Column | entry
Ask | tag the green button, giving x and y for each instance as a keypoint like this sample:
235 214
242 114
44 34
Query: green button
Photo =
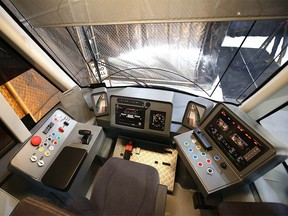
186 143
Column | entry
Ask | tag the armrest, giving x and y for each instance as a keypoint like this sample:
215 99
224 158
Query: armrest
160 200
34 207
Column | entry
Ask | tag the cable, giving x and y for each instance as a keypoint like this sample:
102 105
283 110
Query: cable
237 99
82 55
159 69
236 53
118 69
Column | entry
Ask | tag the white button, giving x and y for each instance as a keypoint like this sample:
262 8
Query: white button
33 158
40 163
210 170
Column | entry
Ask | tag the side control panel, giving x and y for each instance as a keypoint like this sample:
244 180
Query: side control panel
42 148
206 165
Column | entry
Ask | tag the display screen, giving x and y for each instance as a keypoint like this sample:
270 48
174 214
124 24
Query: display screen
238 143
100 103
193 115
131 116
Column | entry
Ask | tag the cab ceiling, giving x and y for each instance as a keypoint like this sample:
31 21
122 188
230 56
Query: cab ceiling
52 13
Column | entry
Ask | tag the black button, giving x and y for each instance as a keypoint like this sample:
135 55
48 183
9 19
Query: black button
223 165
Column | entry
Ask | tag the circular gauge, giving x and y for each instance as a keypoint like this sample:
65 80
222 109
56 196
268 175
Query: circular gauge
157 120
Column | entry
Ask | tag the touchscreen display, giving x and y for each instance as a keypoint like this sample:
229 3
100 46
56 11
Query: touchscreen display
238 143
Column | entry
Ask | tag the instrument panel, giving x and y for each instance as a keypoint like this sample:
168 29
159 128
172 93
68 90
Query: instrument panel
151 114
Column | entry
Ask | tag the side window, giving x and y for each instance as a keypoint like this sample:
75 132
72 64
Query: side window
277 124
7 140
27 92
272 187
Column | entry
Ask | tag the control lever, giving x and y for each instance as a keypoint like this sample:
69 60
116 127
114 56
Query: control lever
128 150
202 139
86 136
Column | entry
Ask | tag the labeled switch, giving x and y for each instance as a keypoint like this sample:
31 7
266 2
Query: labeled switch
61 129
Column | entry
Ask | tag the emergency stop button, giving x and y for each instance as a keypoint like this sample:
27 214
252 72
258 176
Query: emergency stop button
36 140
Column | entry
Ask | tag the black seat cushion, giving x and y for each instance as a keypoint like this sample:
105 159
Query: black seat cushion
125 188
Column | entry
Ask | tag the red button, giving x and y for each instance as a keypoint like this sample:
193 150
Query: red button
36 140
200 164
61 130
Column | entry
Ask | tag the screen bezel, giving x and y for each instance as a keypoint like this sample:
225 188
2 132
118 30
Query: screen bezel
185 119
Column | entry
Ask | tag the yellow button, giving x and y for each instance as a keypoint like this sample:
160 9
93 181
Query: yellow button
47 153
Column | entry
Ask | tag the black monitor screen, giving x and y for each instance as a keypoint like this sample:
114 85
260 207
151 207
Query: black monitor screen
131 116
193 115
235 140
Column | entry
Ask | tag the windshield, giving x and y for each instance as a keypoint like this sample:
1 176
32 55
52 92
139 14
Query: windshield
223 60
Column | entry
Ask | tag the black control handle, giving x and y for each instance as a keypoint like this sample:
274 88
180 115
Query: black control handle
86 136
202 139
84 132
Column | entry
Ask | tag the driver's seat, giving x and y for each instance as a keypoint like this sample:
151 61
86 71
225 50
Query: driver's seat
121 188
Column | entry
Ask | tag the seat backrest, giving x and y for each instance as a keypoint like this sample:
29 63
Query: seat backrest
125 188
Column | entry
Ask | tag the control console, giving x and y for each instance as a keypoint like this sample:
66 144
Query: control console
228 149
60 141
42 148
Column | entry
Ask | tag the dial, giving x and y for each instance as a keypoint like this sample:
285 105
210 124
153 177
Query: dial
157 120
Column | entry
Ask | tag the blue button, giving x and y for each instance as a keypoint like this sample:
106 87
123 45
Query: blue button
216 158
195 157
53 134
190 150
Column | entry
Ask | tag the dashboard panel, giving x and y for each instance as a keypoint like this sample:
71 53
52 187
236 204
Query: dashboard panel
148 111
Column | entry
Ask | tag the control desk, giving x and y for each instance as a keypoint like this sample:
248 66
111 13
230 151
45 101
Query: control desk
225 147
59 153
228 149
